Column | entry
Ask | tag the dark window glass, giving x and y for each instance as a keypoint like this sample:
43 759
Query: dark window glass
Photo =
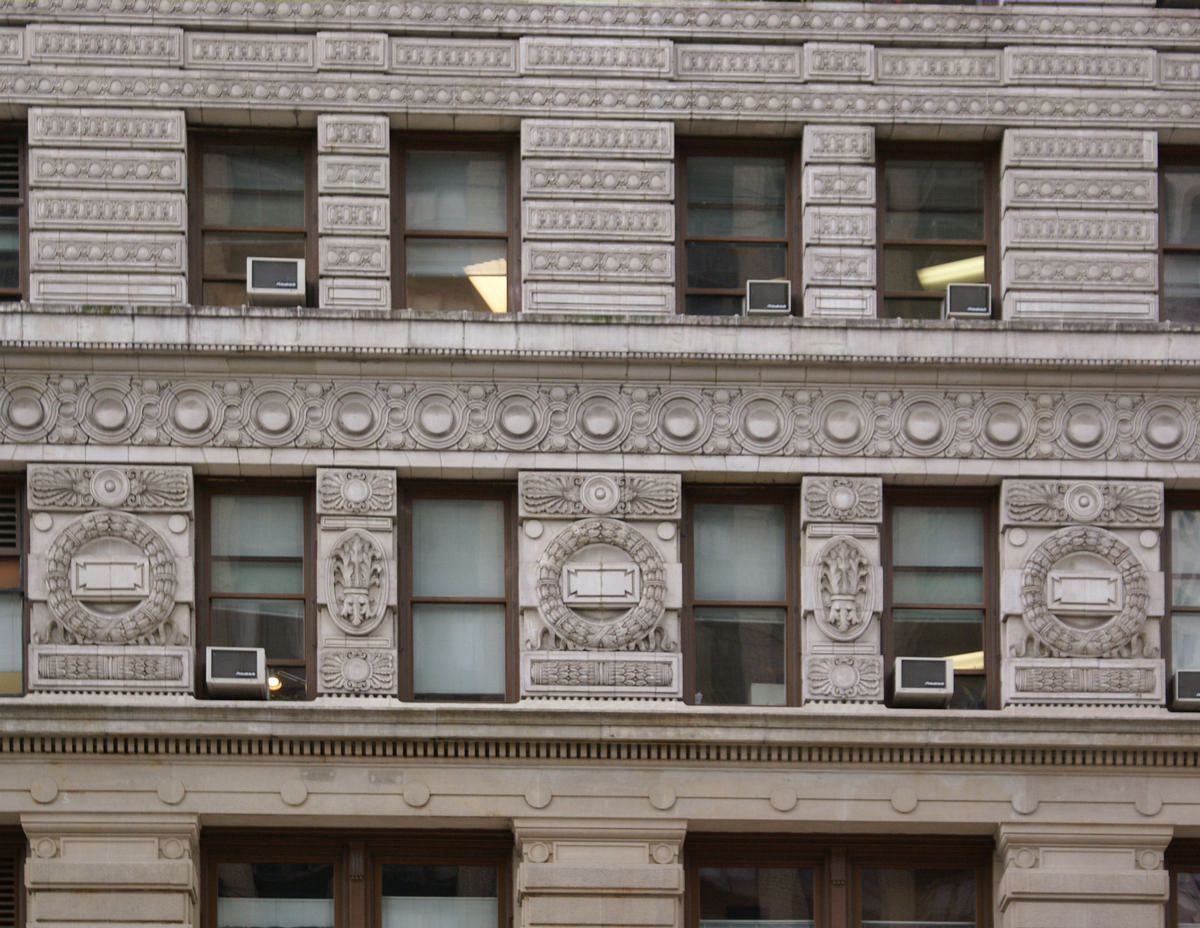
12 213
438 896
12 600
1184 526
896 898
265 895
1181 244
756 897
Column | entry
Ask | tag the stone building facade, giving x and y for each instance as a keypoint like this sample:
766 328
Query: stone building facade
584 591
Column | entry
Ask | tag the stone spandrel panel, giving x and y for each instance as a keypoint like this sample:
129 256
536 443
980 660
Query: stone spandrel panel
352 51
737 62
592 298
938 67
599 220
617 56
835 61
362 175
1081 229
107 252
115 211
94 169
585 261
1081 592
841 587
73 127
838 145
63 43
357 581
597 179
1074 149
243 51
474 57
1090 67
12 46
111 578
600 585
587 138
352 134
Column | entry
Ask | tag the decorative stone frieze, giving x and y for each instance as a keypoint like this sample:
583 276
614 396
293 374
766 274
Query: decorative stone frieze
1088 67
824 265
1081 592
352 51
110 578
587 138
68 43
354 257
592 179
839 225
353 215
92 169
835 61
841 588
496 57
356 581
1066 188
1080 271
93 128
583 261
628 58
107 251
12 45
961 67
600 588
108 289
243 51
737 62
1071 149
1178 71
571 299
838 145
115 211
353 174
599 221
839 185
348 133
1082 229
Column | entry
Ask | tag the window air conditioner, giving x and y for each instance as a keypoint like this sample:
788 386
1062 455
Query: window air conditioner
275 281
768 297
236 673
923 681
967 301
1185 691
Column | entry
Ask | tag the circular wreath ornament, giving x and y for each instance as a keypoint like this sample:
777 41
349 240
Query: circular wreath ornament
1067 640
141 624
601 634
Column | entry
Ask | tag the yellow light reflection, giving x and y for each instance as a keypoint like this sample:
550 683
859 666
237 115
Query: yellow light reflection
966 271
490 280
971 660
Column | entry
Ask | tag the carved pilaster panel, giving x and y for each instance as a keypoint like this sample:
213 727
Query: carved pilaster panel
839 185
354 257
839 302
242 51
107 170
938 67
362 175
623 57
353 215
1178 71
1082 229
583 261
587 138
1060 306
1071 149
94 44
110 584
836 61
839 145
115 211
832 266
355 293
108 289
737 62
588 299
606 180
839 225
568 219
1072 189
352 134
104 128
105 251
1061 270
568 494
12 46
352 51
356 580
1112 503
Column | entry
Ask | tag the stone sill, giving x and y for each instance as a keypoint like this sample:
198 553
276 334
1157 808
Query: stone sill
382 335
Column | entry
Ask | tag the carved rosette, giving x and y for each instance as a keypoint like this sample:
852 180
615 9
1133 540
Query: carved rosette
554 494
625 631
357 579
844 678
361 492
358 670
846 591
140 489
1113 503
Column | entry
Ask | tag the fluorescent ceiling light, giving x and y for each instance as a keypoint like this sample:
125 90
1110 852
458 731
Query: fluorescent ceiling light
490 280
971 660
966 271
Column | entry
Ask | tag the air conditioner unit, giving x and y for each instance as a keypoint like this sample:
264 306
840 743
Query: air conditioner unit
1185 691
768 297
923 681
967 301
275 281
236 673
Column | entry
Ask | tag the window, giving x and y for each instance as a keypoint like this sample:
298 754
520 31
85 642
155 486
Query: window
1180 237
735 218
1182 860
322 880
451 241
254 202
12 217
458 628
936 220
1183 585
258 585
751 881
743 627
939 556
12 601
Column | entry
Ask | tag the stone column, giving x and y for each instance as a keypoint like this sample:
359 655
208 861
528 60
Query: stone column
1081 590
1079 226
111 571
356 581
842 588
353 209
602 873
600 585
127 870
107 213
838 197
1081 876
598 222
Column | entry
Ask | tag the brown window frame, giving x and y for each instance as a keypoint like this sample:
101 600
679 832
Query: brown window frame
198 144
783 496
357 858
440 490
986 156
205 593
13 565
987 503
838 862
504 144
21 203
1182 856
1171 157
789 152
1175 502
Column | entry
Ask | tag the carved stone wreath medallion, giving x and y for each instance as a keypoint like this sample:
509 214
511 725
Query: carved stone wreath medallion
1084 593
152 594
845 589
581 631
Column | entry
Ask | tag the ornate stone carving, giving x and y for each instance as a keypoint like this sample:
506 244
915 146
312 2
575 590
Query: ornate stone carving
575 673
242 51
1112 68
454 56
836 61
1054 148
843 678
95 44
615 262
353 216
1082 270
1092 577
355 257
115 211
135 488
1071 680
358 670
586 138
570 56
1082 189
1178 71
362 492
839 266
1049 229
622 221
626 495
148 170
87 251
78 128
842 499
1048 502
98 665
737 62
352 51
834 185
606 180
937 66
633 628
353 174
12 45
839 144
839 225
352 133
147 621
357 583
846 596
